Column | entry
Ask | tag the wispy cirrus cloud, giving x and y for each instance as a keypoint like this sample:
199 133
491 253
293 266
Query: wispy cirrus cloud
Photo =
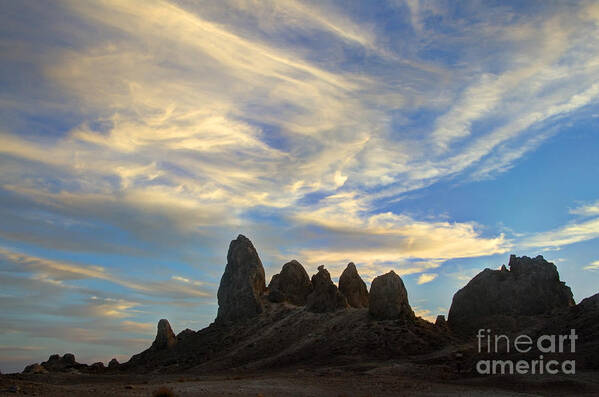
586 210
145 135
592 266
59 271
579 230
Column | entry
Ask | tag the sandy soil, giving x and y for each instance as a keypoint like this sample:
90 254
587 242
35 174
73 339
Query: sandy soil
301 383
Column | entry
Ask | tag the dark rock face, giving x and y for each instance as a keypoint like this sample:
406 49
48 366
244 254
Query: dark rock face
531 287
389 298
165 337
242 283
590 303
353 287
292 285
274 292
325 296
114 363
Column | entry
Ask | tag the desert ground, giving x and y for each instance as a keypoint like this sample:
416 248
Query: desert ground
391 379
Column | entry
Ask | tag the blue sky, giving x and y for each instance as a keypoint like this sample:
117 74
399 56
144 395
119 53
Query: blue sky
138 138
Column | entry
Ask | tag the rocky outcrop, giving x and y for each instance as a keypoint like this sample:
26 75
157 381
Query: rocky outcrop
440 321
35 369
530 287
69 359
114 363
97 366
242 283
353 287
389 298
292 285
165 337
56 363
185 334
325 296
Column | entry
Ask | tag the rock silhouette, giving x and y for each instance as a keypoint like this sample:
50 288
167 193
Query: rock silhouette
185 334
389 298
530 287
528 297
325 296
292 285
353 287
242 283
114 363
440 321
97 366
165 337
55 363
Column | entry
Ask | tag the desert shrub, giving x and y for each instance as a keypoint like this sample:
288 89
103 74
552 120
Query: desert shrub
163 392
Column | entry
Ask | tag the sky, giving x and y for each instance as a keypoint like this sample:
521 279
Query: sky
138 138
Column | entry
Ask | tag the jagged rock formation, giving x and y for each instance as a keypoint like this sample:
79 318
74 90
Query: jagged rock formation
325 296
165 341
165 337
242 284
55 363
292 285
494 298
389 298
353 287
322 334
440 321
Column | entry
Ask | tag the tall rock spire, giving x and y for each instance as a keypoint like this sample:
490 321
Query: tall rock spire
353 287
165 337
242 283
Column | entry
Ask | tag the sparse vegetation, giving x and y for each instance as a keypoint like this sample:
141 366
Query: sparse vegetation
163 392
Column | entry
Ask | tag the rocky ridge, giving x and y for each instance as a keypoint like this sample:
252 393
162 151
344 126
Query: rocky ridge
311 321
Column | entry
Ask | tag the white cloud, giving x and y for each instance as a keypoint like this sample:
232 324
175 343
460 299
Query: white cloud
186 120
55 272
586 210
426 278
571 233
425 314
386 241
592 266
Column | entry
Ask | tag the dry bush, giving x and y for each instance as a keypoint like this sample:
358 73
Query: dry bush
163 392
